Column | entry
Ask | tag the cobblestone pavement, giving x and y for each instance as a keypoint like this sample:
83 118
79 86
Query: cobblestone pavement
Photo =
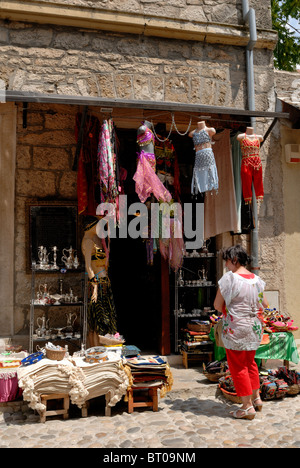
193 415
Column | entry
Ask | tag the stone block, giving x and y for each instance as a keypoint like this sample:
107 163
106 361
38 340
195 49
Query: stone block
51 158
123 86
106 85
157 88
177 89
34 183
71 40
23 157
68 185
34 36
141 88
48 138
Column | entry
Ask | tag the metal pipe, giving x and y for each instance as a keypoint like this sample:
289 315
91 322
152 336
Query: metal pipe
250 18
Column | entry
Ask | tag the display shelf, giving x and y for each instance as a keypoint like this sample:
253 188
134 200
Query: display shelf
74 283
195 286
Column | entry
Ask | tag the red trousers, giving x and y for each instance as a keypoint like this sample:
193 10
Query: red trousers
244 371
251 174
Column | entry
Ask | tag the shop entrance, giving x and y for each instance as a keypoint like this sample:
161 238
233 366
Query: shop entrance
136 284
137 293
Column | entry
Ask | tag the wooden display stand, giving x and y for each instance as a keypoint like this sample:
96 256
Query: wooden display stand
186 356
55 396
139 401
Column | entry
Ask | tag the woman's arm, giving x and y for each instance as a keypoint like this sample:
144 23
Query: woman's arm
265 302
219 301
88 249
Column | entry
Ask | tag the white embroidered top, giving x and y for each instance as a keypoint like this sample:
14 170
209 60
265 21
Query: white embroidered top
242 329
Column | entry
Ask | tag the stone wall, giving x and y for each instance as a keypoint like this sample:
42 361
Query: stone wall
45 154
65 61
218 11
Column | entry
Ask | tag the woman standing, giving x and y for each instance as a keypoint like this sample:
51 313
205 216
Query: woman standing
241 299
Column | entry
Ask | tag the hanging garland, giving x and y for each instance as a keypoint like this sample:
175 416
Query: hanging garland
173 124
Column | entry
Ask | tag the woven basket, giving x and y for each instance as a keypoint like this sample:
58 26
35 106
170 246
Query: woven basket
55 355
293 389
231 396
103 340
214 377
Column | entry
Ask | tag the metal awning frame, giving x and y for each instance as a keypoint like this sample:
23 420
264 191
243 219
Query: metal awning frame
23 96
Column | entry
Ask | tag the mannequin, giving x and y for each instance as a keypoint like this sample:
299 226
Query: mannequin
205 175
202 126
145 139
250 134
146 180
101 308
251 167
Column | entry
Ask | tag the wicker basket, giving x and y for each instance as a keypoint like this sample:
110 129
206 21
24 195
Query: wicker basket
104 341
214 377
55 355
293 389
231 396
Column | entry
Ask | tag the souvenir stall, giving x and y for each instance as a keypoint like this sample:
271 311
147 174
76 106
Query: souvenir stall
277 343
151 168
10 360
51 379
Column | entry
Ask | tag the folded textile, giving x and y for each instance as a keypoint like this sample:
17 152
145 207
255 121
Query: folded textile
74 377
150 371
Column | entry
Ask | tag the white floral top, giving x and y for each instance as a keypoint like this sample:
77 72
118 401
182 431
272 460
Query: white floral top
242 329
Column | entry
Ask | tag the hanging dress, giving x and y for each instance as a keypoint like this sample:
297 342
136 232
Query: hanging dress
167 166
87 181
102 316
205 174
146 180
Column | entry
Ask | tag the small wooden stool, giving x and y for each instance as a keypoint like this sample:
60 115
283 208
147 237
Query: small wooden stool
86 404
139 401
206 356
55 396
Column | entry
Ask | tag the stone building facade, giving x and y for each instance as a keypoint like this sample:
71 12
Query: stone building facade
128 53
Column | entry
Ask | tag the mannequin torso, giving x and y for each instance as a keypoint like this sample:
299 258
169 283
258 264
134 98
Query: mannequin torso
145 138
205 174
201 126
250 135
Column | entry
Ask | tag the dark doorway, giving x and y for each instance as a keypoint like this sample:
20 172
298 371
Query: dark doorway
136 285
137 293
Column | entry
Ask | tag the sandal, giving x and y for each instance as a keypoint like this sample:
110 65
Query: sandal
246 414
257 407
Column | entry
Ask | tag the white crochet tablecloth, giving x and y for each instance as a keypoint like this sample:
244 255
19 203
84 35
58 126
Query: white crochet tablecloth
74 377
